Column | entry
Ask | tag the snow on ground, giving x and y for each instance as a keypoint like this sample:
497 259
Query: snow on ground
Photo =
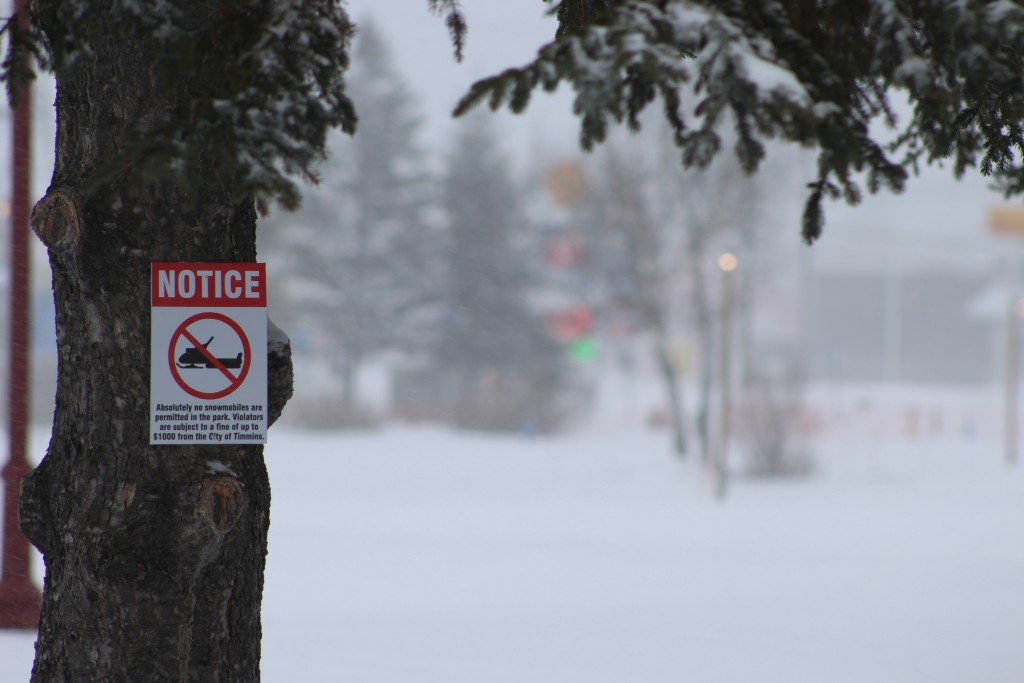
427 555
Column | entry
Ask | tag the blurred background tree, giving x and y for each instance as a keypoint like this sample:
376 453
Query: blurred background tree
502 368
357 263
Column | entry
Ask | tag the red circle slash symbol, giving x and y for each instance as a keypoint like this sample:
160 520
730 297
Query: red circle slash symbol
199 356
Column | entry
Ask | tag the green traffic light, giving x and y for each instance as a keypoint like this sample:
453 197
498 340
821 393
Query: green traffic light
583 349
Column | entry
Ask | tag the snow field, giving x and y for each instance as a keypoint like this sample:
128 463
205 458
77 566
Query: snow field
599 558
427 555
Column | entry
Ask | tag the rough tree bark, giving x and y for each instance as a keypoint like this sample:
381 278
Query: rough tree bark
154 559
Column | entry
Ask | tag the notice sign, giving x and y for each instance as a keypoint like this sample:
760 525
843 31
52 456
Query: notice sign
208 368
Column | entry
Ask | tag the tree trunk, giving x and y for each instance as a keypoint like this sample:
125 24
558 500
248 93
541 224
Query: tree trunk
677 416
350 404
154 559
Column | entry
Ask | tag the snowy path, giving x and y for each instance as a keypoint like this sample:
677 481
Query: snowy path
420 555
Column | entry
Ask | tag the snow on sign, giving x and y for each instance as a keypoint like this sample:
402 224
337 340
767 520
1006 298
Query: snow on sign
208 367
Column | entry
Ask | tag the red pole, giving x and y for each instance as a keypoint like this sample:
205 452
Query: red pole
19 598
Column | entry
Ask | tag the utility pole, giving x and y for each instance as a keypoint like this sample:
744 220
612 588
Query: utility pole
1008 221
19 598
1012 378
719 466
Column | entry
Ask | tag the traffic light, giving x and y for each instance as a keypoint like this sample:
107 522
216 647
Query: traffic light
583 349
574 326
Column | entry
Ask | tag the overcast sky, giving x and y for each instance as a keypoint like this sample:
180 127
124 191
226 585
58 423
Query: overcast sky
502 34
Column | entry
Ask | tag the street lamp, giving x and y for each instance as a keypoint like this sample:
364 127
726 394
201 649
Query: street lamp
727 263
1012 379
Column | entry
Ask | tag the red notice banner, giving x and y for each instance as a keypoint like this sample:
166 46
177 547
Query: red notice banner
219 285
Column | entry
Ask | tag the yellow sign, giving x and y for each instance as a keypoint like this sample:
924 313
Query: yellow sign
1006 220
566 183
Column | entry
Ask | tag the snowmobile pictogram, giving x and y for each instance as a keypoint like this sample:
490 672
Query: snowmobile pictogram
194 358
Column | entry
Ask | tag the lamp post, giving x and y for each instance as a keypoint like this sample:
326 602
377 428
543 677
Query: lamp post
1012 379
19 598
727 263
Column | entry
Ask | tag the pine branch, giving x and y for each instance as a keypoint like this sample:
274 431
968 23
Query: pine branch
23 44
816 74
455 20
267 83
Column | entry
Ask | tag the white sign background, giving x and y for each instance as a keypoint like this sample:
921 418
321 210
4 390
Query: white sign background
178 417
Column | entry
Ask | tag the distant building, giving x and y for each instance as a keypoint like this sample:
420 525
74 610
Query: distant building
901 327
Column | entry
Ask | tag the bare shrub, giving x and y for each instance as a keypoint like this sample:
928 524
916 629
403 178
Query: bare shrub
770 425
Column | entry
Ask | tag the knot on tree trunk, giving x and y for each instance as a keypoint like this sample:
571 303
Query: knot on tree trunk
279 371
56 220
34 513
221 501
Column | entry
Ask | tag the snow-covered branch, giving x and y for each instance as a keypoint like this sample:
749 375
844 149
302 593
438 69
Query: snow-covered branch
817 74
